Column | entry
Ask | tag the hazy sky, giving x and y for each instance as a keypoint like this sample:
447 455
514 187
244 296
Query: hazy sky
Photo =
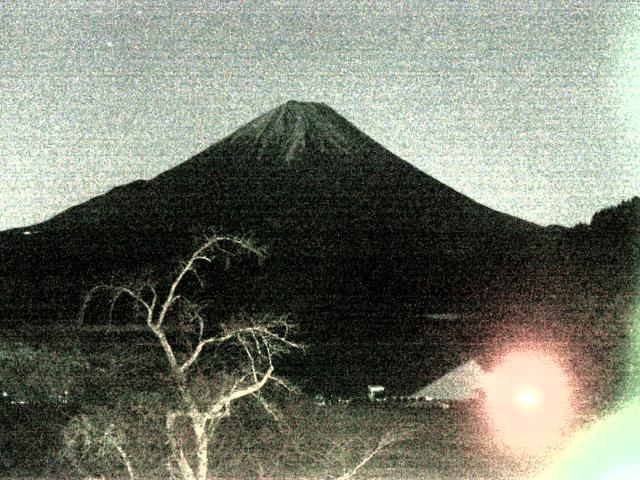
531 108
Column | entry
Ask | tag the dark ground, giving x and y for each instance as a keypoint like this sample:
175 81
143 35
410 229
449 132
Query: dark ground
447 444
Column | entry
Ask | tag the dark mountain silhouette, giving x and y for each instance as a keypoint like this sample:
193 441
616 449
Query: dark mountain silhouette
336 209
360 242
302 157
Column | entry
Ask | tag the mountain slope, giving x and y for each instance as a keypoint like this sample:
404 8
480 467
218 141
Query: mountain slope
295 150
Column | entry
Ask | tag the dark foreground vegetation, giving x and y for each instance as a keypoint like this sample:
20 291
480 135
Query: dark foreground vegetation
90 400
310 441
116 395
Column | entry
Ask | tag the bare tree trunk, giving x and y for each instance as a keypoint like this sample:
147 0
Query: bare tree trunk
197 466
202 447
186 472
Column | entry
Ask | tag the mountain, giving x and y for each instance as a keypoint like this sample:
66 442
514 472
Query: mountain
360 242
299 155
313 188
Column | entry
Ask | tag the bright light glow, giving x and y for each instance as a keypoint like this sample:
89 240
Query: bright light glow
527 400
607 450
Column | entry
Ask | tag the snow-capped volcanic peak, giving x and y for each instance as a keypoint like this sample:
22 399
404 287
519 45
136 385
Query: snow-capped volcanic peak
291 126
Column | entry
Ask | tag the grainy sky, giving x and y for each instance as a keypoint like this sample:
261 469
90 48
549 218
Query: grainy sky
530 108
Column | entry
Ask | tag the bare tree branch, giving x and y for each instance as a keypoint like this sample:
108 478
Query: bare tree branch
196 353
126 461
248 390
213 243
387 439
268 408
283 383
252 362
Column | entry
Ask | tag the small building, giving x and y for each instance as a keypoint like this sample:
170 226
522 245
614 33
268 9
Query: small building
376 393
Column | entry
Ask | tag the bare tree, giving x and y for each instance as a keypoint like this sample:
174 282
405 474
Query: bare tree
186 338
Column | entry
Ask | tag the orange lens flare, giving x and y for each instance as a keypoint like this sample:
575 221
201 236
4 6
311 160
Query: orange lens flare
527 400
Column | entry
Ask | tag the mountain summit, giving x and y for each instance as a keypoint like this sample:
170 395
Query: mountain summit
291 126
